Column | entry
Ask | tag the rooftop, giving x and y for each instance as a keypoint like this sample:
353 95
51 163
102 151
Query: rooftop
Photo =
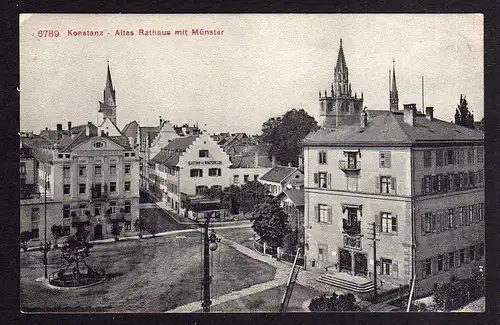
277 174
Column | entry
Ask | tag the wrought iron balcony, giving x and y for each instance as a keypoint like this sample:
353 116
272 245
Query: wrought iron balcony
349 165
352 242
351 228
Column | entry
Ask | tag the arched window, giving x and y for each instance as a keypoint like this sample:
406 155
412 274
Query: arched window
344 108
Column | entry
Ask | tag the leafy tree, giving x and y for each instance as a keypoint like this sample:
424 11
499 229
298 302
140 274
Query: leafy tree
57 232
140 226
463 116
251 194
231 198
343 302
25 237
270 222
75 250
285 135
116 229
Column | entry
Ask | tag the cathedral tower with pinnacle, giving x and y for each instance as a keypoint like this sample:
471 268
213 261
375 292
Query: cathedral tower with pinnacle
108 106
339 106
393 93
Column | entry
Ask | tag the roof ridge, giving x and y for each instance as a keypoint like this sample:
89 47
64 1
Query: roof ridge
74 139
408 138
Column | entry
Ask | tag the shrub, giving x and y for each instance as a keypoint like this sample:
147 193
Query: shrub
457 293
26 236
343 302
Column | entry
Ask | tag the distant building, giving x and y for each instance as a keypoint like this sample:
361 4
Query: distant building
280 178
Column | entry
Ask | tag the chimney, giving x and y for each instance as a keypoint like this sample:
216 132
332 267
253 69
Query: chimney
87 129
289 164
409 113
59 131
429 113
364 118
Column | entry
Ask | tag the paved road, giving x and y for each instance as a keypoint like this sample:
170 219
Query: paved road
164 221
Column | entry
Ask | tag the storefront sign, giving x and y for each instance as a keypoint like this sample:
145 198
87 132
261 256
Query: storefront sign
205 162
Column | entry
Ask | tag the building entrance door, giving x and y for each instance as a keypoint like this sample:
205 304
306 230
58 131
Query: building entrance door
97 232
360 264
345 261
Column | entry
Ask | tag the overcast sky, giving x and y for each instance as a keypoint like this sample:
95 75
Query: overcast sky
262 66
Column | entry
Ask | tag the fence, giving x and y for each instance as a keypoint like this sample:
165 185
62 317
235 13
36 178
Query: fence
263 248
289 258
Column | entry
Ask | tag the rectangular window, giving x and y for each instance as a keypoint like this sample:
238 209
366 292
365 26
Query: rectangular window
201 189
460 157
451 260
439 183
385 184
480 211
67 155
66 189
66 172
352 160
439 157
112 186
203 154
480 177
481 250
428 222
132 154
427 158
427 267
322 157
82 188
352 183
82 171
214 172
450 218
386 266
196 172
127 206
322 180
66 211
470 214
323 213
255 177
449 181
479 152
246 178
461 216
388 223
322 253
462 256
385 159
127 186
35 218
60 155
127 168
22 168
97 209
112 169
470 156
440 263
427 184
236 179
112 206
472 179
451 157
127 154
472 253
97 170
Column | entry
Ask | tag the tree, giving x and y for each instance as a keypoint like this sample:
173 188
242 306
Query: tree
285 135
270 222
75 250
25 237
343 302
140 226
251 194
462 115
116 229
57 232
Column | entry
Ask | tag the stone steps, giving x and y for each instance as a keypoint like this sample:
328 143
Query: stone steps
361 287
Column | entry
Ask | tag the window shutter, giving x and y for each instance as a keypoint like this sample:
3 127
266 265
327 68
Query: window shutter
329 214
316 178
201 172
329 180
219 172
422 224
377 183
378 223
393 184
394 269
423 185
316 212
445 158
388 159
395 223
438 220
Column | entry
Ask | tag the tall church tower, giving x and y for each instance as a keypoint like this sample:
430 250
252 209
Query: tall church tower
108 106
339 107
393 92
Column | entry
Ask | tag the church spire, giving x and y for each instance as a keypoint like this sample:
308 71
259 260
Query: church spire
341 74
108 105
393 95
341 65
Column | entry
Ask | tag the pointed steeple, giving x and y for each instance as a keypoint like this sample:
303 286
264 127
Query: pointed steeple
108 105
341 74
341 65
393 95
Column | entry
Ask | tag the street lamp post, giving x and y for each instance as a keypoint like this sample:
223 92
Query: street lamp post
45 244
209 244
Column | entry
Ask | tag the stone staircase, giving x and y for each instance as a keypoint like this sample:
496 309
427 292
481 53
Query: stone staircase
347 282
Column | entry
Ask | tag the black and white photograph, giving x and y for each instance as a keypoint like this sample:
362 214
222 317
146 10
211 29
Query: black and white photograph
251 163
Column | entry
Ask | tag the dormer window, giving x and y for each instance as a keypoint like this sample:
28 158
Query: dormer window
127 154
98 144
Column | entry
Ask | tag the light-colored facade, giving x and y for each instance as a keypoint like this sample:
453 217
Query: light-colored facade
426 204
280 178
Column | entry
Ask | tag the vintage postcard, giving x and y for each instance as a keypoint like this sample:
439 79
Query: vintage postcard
229 163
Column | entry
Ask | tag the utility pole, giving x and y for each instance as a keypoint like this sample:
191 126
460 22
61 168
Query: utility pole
374 239
45 224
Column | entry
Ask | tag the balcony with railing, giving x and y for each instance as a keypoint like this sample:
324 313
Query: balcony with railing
350 165
351 228
98 194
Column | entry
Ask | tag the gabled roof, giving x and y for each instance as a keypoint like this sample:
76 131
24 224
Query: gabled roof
130 130
172 152
385 127
67 144
181 143
296 196
278 174
166 158
113 125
